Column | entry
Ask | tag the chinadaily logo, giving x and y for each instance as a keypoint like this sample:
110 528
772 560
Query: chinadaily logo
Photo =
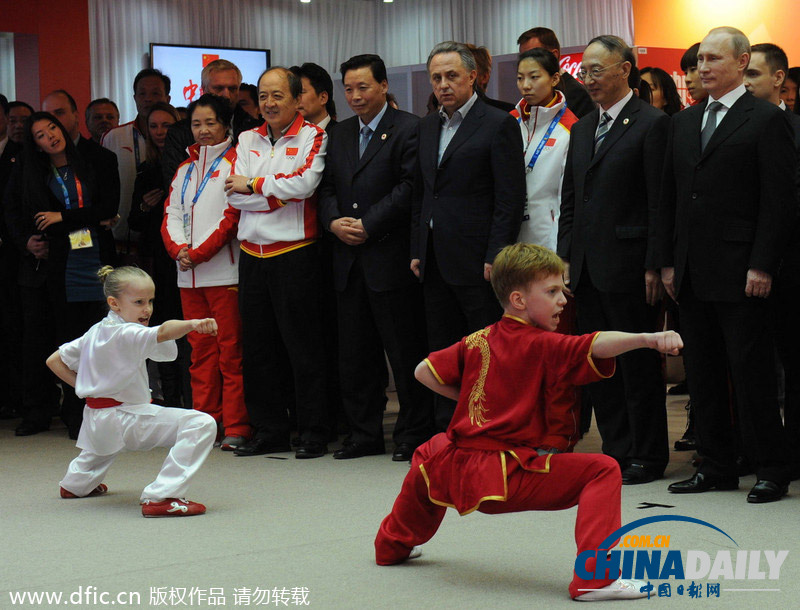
679 572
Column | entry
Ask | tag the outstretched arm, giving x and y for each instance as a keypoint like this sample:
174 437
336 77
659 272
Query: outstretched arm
175 329
426 377
61 370
613 343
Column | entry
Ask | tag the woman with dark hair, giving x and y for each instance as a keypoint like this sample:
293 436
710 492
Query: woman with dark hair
545 121
147 213
663 90
199 232
789 89
54 205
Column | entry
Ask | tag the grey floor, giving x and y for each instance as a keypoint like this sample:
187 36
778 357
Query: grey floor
275 523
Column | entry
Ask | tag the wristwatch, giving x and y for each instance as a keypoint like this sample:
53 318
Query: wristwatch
250 184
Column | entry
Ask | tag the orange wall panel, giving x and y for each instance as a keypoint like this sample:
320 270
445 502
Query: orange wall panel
63 31
681 23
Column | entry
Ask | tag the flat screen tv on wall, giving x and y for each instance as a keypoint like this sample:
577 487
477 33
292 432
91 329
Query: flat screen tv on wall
183 64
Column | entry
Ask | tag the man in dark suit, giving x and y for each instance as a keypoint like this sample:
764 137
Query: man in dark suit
764 78
469 193
10 306
727 212
578 99
365 201
607 236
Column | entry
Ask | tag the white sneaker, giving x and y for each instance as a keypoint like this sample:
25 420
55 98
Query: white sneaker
618 590
415 552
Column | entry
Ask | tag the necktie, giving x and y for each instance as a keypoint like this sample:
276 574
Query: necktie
711 124
366 132
602 130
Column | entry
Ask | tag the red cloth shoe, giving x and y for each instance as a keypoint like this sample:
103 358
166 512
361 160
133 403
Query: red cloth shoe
172 507
97 491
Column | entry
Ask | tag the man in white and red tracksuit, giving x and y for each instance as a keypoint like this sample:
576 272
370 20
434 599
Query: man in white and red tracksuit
279 166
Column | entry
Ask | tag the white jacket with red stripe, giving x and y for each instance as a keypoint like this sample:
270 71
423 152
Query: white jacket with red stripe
212 242
281 215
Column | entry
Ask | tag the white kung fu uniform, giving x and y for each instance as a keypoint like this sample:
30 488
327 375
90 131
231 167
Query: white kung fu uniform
110 362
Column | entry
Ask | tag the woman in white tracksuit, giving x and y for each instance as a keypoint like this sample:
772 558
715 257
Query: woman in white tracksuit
545 122
199 232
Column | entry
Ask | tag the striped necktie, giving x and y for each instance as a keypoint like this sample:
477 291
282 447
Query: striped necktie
602 130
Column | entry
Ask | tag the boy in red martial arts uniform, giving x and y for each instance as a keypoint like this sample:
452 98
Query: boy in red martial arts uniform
499 454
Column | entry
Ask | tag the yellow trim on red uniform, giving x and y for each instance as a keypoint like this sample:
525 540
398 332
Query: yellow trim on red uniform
508 315
591 361
433 370
544 470
502 498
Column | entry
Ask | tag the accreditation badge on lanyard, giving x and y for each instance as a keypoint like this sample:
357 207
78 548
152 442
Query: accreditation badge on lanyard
187 216
82 238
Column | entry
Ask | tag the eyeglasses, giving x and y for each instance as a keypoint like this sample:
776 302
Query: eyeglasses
595 73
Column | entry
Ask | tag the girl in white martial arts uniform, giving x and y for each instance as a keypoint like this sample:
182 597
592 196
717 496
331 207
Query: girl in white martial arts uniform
107 368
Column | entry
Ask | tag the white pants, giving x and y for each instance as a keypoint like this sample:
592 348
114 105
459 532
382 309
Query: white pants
189 434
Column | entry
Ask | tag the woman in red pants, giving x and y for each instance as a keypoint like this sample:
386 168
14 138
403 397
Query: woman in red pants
199 232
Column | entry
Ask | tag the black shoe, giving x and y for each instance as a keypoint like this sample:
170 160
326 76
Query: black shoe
687 443
637 474
30 428
403 452
357 450
678 389
261 446
704 482
310 450
766 491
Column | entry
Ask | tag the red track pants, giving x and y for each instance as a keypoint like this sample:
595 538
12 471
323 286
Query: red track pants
216 368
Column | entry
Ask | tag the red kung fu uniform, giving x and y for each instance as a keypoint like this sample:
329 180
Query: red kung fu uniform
509 374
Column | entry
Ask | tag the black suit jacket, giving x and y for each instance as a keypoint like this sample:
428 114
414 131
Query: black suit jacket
609 201
731 207
7 161
475 196
578 98
377 189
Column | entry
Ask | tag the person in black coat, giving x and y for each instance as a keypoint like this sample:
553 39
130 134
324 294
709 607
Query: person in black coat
728 209
365 201
467 203
10 305
54 206
606 234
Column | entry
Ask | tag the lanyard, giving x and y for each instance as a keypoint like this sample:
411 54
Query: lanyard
546 137
63 186
136 153
186 179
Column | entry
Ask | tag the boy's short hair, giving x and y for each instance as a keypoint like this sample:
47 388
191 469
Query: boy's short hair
518 265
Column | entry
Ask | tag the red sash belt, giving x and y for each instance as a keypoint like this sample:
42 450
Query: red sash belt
482 442
101 403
